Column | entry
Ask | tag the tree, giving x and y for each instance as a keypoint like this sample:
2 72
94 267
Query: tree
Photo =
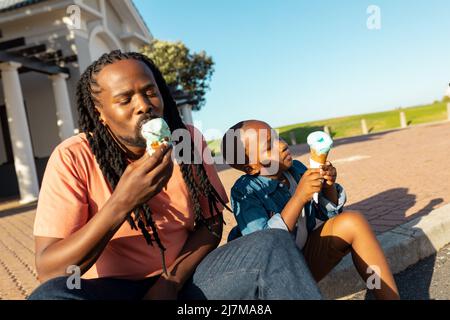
187 74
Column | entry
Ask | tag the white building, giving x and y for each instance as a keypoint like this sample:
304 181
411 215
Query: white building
44 47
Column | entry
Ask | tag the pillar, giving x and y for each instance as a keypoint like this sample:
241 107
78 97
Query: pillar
63 112
20 134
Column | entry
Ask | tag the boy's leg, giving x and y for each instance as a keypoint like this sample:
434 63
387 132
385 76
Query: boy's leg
349 232
263 265
92 289
322 252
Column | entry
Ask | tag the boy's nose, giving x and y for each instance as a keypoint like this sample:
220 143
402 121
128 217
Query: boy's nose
283 144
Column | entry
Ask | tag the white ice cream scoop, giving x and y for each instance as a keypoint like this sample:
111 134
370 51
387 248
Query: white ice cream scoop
156 132
320 141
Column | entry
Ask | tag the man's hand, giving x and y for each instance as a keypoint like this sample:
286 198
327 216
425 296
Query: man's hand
144 178
310 183
329 174
163 289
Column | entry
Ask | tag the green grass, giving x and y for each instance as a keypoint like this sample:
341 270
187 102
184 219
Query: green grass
351 125
376 122
214 146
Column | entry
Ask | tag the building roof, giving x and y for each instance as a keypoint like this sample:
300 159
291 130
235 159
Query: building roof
140 16
9 5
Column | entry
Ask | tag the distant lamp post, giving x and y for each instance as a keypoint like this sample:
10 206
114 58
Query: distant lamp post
293 138
447 93
184 102
403 122
364 126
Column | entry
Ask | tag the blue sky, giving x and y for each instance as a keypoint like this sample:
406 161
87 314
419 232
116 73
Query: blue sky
286 61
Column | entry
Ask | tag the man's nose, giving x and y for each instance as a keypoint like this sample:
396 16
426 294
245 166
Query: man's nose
143 104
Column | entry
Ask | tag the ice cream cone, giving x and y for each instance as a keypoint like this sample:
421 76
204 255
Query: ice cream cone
155 132
320 158
320 144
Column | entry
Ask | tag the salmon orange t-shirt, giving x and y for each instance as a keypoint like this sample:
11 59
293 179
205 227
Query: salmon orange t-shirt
74 189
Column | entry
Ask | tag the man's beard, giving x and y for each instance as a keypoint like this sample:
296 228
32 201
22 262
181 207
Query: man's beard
137 140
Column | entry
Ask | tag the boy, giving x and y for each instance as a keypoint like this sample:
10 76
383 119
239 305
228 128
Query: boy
277 191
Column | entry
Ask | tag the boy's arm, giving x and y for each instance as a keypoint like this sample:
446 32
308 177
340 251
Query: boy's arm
332 197
292 211
309 184
251 215
333 208
331 193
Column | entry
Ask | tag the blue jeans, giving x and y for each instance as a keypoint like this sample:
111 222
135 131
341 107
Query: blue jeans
261 266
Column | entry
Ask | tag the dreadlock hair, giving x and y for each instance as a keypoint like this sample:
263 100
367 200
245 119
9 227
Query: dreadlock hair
112 160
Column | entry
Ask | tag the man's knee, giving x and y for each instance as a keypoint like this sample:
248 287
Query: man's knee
271 239
285 269
53 289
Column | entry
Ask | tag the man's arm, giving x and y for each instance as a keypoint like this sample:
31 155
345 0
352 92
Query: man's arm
82 248
146 177
198 244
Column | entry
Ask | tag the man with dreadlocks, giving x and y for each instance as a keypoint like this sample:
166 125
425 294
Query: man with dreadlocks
101 178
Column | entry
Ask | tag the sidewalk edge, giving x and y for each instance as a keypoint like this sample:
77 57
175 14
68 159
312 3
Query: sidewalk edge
403 246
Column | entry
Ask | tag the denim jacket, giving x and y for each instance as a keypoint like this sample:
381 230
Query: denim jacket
257 202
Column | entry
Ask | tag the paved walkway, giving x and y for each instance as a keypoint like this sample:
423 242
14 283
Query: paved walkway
391 177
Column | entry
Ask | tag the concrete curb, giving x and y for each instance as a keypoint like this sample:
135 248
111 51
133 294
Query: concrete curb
404 246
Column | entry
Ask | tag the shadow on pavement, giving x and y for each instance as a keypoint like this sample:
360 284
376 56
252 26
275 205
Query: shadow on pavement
395 204
392 204
18 209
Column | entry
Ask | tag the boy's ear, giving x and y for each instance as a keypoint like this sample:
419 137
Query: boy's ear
252 169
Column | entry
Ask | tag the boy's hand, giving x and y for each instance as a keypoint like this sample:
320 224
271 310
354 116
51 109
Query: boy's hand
329 174
310 183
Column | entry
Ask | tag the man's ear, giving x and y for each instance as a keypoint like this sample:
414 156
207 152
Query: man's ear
101 116
252 169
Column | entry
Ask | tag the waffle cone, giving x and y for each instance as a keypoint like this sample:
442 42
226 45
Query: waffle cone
320 158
